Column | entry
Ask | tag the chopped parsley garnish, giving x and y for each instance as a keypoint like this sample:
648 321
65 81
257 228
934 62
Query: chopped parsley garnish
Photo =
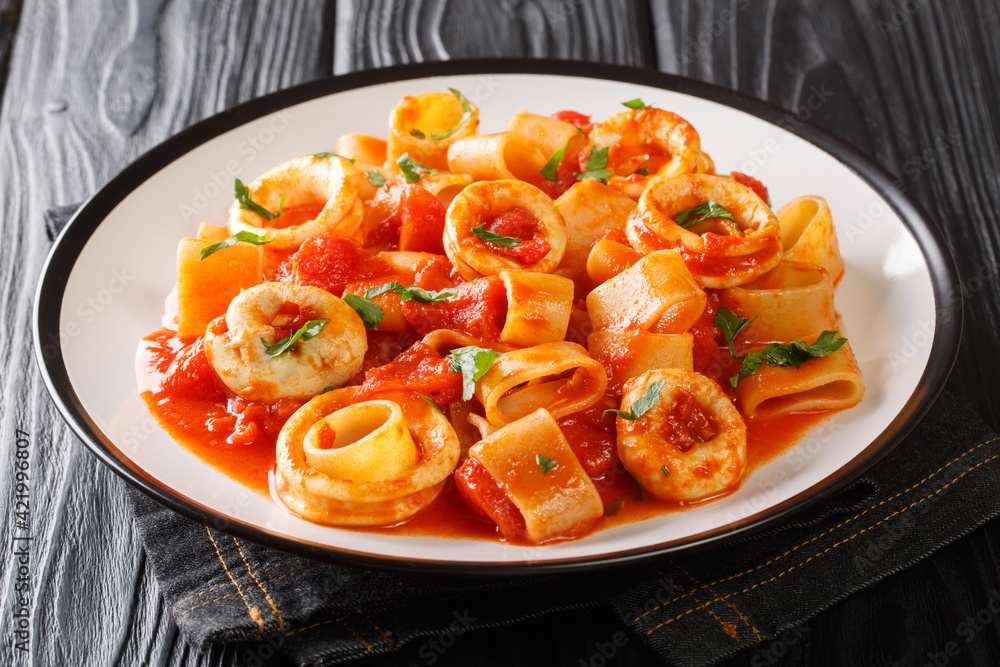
412 169
794 354
466 115
376 178
637 103
642 405
411 292
487 235
244 236
551 168
248 204
472 362
545 464
370 313
613 508
308 330
731 324
638 487
703 211
418 134
597 167
663 469
321 156
430 402
642 171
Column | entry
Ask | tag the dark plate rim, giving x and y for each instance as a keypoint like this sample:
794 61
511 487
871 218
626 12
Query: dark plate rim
55 275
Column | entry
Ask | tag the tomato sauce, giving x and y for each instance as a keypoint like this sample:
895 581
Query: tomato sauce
518 223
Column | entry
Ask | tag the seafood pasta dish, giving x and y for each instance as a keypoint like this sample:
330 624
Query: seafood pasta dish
525 335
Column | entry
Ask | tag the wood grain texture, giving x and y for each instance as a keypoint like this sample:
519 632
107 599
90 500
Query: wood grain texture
86 95
94 83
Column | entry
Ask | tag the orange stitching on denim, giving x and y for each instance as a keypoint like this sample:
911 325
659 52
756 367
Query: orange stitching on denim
173 610
837 544
205 604
728 628
368 647
823 534
274 607
384 634
310 627
253 612
718 598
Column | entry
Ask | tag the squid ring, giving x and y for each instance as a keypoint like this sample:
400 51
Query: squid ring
691 445
399 453
235 350
648 135
304 181
483 202
719 255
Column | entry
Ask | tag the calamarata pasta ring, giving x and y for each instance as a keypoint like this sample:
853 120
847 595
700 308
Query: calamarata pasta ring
311 493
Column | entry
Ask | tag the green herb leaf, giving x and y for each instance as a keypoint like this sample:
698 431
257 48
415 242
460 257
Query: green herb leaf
663 469
376 178
551 168
597 167
466 115
703 211
642 171
545 464
642 405
613 508
310 329
637 103
248 204
430 402
794 354
628 265
321 156
244 236
412 169
638 487
370 313
486 235
411 292
326 389
418 134
472 362
731 325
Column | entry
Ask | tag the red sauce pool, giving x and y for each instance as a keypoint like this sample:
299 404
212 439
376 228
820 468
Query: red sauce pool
203 425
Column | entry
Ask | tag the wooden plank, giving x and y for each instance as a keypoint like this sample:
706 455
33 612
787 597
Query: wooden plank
378 33
86 95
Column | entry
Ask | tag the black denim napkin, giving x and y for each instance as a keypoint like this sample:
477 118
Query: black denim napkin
938 485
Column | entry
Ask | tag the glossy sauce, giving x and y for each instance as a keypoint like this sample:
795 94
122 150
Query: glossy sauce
204 422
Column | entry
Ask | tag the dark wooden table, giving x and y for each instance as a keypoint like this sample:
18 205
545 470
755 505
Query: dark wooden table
88 85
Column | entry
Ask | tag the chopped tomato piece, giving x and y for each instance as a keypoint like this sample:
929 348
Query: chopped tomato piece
437 274
330 262
190 374
518 223
479 310
419 368
592 438
753 184
485 497
616 234
421 221
574 118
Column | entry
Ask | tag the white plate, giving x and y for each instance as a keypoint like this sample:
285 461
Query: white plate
104 285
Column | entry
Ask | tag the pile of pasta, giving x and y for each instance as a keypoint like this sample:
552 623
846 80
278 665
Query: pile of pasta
517 312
